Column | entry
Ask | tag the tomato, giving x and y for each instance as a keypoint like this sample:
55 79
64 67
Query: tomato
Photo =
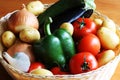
89 43
58 71
83 62
35 65
83 26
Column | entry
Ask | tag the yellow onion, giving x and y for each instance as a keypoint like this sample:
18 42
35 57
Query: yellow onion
22 19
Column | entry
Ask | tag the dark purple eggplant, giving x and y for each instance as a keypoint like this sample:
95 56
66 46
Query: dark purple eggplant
70 16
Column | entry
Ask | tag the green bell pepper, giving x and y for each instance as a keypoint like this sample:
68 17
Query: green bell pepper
56 48
49 49
66 42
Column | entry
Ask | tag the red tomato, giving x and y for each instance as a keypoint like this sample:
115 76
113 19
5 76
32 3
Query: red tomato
58 71
35 65
83 62
83 26
89 43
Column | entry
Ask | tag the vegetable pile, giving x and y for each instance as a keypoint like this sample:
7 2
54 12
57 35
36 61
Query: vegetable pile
62 39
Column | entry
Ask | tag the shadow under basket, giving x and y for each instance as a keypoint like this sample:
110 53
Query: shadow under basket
104 72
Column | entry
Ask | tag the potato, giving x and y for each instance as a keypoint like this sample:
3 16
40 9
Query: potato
105 56
36 7
42 72
68 27
109 24
108 38
98 22
8 38
29 35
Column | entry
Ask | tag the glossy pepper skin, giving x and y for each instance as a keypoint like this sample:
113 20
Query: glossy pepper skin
56 48
49 49
66 42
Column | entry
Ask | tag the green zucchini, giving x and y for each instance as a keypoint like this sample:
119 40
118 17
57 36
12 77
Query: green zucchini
58 8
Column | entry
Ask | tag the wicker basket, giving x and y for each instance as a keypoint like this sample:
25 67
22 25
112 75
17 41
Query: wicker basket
103 73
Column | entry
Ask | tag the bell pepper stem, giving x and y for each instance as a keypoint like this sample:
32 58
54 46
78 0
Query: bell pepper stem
47 26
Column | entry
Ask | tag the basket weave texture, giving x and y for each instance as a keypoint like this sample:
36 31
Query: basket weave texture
103 73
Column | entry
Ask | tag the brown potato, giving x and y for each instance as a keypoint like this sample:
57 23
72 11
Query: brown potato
8 38
29 35
109 24
105 56
108 38
36 7
68 27
42 72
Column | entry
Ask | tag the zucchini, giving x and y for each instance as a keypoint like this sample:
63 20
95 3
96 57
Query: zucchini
58 8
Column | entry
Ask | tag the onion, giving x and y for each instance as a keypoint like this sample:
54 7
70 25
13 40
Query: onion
22 19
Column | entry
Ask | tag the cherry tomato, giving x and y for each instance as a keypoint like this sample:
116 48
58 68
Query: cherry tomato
83 62
83 26
58 71
89 43
35 65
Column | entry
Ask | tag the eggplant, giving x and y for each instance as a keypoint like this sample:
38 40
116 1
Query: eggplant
70 16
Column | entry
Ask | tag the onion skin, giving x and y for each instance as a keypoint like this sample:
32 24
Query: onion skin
20 46
22 19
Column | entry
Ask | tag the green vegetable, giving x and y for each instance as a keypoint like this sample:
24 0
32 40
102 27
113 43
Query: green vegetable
56 48
49 49
58 8
67 43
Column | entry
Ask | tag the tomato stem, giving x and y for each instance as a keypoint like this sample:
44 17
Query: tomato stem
82 23
85 66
